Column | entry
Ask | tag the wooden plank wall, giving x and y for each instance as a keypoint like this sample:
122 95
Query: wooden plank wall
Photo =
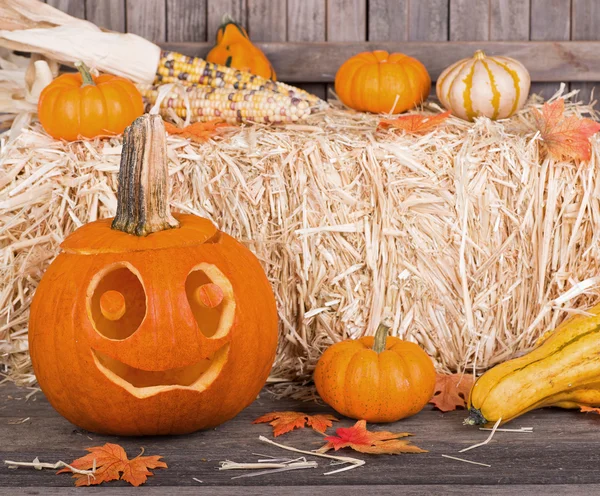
353 20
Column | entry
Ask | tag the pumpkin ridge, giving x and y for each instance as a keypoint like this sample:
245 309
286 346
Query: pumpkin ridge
344 91
51 96
467 101
378 80
451 83
407 77
494 87
350 389
74 94
516 80
105 125
135 99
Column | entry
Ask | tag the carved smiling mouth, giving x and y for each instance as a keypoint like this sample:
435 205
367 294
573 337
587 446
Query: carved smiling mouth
144 383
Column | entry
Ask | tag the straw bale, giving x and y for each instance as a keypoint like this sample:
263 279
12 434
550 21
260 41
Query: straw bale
467 238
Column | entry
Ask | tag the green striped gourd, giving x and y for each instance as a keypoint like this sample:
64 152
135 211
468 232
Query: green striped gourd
495 87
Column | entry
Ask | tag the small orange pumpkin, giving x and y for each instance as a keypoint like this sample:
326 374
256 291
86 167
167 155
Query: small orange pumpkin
377 379
372 81
76 106
151 323
234 49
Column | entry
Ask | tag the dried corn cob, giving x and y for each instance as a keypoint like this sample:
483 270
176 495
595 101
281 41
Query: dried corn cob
207 103
174 67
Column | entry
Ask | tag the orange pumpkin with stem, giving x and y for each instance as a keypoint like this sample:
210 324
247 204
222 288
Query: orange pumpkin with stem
377 379
382 82
234 49
151 323
78 105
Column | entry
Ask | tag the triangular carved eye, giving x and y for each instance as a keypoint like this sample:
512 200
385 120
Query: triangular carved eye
211 299
117 302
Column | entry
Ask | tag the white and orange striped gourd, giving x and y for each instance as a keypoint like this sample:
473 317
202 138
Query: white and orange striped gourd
495 87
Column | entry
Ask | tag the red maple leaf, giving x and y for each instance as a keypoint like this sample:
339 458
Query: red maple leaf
414 123
111 463
564 137
360 439
451 391
283 422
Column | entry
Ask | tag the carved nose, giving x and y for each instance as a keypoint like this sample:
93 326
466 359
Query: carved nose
112 305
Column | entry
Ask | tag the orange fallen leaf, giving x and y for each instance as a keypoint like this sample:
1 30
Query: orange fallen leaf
451 391
360 439
414 123
589 409
200 132
112 464
564 137
283 422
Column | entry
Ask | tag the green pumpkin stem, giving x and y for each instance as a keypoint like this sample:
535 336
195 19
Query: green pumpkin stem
380 338
475 417
143 196
86 76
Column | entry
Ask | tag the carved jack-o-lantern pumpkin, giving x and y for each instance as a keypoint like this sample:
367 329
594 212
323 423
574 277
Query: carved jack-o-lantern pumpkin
154 324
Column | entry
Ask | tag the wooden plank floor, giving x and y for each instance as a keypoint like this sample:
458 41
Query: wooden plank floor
559 457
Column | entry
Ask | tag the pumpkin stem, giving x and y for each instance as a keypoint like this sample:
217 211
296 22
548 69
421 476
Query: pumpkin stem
479 55
381 338
143 199
86 77
475 417
227 19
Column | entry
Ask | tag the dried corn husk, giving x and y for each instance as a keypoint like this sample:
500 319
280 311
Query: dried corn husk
27 14
126 55
67 39
22 80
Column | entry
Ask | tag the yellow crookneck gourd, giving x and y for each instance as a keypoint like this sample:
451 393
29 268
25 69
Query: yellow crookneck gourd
563 371
234 49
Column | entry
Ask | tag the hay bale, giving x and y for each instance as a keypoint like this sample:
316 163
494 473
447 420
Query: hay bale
466 237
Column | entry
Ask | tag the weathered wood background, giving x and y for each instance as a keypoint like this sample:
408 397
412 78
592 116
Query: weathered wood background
190 24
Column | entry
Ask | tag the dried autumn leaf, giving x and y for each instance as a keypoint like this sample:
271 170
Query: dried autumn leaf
112 464
360 439
320 422
200 132
564 137
589 409
451 391
415 123
283 422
